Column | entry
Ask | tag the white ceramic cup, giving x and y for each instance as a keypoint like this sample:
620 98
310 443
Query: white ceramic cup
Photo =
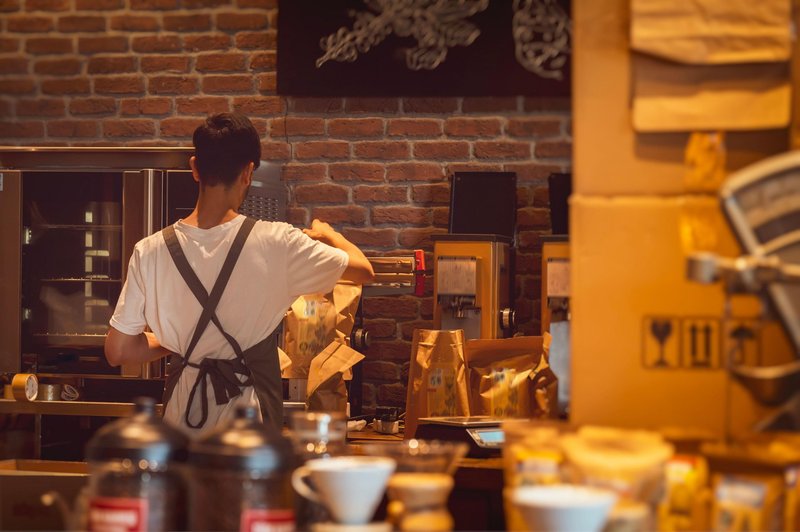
563 507
350 487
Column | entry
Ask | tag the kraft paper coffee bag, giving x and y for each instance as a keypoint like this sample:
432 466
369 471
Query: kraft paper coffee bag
437 379
326 389
511 378
314 321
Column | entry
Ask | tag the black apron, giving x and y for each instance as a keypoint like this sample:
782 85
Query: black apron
259 364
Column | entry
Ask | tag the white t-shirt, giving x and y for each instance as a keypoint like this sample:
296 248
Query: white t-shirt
277 265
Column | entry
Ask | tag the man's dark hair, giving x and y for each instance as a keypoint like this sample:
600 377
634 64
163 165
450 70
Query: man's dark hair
223 146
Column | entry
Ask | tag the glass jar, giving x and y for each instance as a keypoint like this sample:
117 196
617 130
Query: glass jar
135 482
241 477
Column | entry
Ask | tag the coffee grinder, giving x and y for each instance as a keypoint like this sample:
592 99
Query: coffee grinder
473 264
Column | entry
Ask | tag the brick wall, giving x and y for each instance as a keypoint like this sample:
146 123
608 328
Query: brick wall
144 72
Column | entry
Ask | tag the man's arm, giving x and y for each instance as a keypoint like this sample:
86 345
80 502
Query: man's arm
359 269
121 348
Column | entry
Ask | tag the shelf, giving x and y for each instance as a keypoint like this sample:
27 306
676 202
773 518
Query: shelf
80 227
79 280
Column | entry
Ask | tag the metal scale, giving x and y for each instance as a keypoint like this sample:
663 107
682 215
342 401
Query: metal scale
762 204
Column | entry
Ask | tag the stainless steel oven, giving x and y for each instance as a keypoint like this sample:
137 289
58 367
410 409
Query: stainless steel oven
69 218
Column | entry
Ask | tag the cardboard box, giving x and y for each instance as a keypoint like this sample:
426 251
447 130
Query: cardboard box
610 158
22 484
648 344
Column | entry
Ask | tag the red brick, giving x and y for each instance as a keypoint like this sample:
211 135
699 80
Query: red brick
112 65
317 105
165 63
72 128
304 172
276 151
372 105
58 67
49 45
66 86
179 127
547 104
81 23
130 22
47 5
402 307
9 44
355 127
13 65
259 4
321 193
154 5
392 394
259 106
98 45
430 105
377 370
260 40
228 84
297 217
533 171
441 150
9 6
128 128
357 172
194 22
441 216
556 149
5 108
145 106
382 150
414 127
17 130
198 4
404 215
172 85
264 61
541 197
473 167
473 127
419 238
383 237
414 172
242 21
202 105
407 328
93 106
156 43
297 127
533 217
438 194
29 24
99 5
426 304
489 105
324 149
380 194
345 214
206 42
502 150
119 85
267 83
220 62
40 107
381 328
534 127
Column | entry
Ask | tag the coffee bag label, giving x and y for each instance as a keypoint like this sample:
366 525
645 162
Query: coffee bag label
261 520
117 514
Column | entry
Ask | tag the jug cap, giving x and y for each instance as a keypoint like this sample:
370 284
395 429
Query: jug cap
245 444
143 436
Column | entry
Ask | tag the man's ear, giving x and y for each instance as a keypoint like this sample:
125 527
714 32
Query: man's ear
247 174
193 166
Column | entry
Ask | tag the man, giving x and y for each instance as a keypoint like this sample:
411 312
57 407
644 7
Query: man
214 286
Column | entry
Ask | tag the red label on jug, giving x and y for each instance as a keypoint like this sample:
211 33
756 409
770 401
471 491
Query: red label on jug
267 521
116 514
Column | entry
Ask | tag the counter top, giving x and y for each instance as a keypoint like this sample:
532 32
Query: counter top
69 408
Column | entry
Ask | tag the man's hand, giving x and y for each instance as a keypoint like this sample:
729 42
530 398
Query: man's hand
322 231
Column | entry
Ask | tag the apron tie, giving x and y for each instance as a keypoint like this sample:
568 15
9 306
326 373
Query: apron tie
223 374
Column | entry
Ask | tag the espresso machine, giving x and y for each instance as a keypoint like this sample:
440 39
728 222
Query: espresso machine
473 263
